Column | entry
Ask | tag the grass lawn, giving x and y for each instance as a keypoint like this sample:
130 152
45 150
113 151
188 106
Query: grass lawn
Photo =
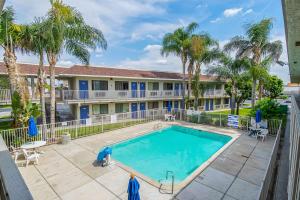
243 111
5 125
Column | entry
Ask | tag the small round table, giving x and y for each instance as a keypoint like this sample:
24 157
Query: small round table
33 145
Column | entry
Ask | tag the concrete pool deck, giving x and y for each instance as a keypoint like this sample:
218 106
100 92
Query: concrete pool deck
69 171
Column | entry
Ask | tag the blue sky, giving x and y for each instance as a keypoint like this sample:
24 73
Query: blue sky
134 28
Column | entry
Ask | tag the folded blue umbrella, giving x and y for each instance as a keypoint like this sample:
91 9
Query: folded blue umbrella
258 116
32 129
103 153
133 189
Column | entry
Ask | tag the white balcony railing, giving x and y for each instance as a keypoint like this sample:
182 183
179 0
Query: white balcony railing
129 94
118 94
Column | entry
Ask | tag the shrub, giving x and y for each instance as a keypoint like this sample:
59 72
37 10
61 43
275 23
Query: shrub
270 109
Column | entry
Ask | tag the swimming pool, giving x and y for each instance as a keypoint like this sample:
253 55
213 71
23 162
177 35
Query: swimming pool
176 148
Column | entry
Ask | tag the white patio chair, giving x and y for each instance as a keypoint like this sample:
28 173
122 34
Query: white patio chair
262 134
15 152
31 156
167 117
173 117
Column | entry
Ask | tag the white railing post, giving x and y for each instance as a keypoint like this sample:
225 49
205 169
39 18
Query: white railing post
102 124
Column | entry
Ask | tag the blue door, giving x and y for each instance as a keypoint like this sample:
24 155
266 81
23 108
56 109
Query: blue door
143 109
177 85
134 89
207 104
142 89
83 89
211 104
134 110
84 113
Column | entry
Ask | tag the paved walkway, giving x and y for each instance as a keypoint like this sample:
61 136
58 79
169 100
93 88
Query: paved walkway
70 172
236 174
280 192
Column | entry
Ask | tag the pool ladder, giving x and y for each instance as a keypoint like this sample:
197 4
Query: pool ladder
168 174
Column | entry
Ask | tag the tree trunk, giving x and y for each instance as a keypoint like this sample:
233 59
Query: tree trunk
12 71
233 95
190 76
261 87
52 63
253 96
183 82
41 80
237 108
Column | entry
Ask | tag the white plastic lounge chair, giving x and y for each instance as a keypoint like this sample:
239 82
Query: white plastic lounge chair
173 117
15 152
262 134
31 156
167 117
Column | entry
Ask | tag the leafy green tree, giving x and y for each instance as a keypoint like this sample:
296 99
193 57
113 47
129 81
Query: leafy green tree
178 43
273 87
230 69
257 46
65 29
243 85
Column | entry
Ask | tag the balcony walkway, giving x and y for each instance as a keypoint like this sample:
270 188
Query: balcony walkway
69 172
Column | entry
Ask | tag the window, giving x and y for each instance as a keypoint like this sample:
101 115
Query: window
121 85
153 86
168 86
218 86
166 103
153 105
121 107
218 102
226 101
100 109
99 85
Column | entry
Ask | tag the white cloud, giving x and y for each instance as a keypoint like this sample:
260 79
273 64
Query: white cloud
154 31
248 12
232 12
65 63
215 20
109 16
152 60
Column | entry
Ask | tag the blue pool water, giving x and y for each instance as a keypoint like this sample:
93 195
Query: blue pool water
176 148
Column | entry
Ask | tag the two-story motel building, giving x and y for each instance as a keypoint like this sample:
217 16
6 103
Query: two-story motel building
90 91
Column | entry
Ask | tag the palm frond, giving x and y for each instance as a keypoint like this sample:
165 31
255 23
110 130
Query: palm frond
78 50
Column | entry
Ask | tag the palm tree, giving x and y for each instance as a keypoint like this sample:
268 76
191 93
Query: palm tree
256 46
33 41
230 69
9 40
65 29
179 43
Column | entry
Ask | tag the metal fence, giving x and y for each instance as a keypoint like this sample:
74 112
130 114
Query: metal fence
269 175
294 157
52 133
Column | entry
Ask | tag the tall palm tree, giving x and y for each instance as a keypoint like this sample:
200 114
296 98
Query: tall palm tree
65 29
33 41
203 50
256 46
178 43
10 40
230 69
